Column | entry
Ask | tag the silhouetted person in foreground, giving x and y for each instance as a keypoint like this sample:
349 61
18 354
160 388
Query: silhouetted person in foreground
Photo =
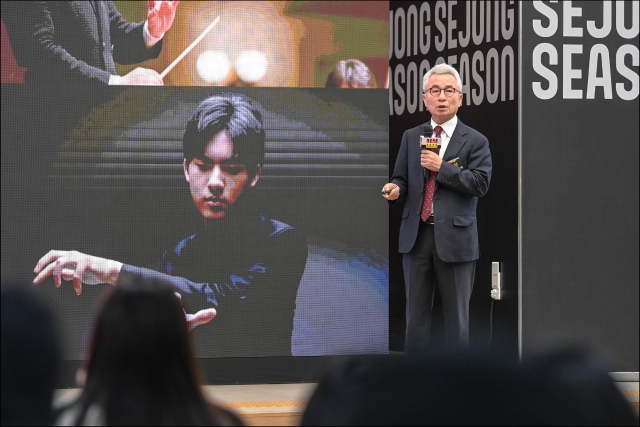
30 356
141 369
452 389
582 383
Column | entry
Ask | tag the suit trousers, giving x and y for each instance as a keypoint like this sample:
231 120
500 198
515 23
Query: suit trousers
423 271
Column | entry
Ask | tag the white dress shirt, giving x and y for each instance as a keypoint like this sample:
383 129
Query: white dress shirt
447 130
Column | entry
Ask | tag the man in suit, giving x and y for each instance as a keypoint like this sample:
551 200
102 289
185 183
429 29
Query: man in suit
438 234
78 42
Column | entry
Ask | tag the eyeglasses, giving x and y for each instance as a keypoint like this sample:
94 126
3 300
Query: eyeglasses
448 91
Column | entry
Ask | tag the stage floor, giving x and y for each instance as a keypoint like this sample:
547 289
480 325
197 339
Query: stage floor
283 404
256 404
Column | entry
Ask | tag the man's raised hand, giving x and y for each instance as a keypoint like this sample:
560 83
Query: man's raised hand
199 318
76 266
160 15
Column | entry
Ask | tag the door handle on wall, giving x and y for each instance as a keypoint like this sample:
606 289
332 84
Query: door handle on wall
496 281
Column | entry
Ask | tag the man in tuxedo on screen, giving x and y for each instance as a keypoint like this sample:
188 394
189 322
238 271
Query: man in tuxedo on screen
438 233
240 267
77 43
69 49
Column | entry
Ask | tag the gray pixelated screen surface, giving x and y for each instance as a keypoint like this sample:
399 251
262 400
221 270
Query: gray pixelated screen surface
113 186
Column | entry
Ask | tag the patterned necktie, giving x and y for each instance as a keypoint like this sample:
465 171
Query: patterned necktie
430 185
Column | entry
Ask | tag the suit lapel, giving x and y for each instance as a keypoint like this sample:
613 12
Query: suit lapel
458 139
96 12
102 14
87 14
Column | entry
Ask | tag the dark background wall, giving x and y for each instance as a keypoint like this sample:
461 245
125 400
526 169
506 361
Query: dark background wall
580 178
480 40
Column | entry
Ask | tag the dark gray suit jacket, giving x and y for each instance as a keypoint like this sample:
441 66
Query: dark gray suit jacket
73 42
456 194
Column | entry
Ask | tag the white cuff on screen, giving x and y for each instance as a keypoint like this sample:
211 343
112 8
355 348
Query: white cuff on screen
115 80
149 40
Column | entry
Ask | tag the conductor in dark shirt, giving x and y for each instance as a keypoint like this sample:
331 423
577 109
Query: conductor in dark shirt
239 266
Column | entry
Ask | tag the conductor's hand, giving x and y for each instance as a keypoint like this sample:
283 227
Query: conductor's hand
160 15
140 76
199 318
390 191
76 266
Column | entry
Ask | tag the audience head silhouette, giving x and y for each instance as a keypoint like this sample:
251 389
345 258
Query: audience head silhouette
30 352
446 389
582 383
141 368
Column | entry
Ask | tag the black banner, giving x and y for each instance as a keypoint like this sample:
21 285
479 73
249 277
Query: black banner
580 177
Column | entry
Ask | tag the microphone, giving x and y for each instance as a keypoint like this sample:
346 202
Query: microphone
427 131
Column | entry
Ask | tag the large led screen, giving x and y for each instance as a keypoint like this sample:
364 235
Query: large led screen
254 43
250 181
297 266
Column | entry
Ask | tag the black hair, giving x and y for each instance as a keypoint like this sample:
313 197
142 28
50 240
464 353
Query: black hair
30 356
141 369
448 388
232 112
581 381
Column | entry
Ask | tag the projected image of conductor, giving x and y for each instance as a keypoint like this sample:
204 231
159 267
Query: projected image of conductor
79 42
245 266
351 74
